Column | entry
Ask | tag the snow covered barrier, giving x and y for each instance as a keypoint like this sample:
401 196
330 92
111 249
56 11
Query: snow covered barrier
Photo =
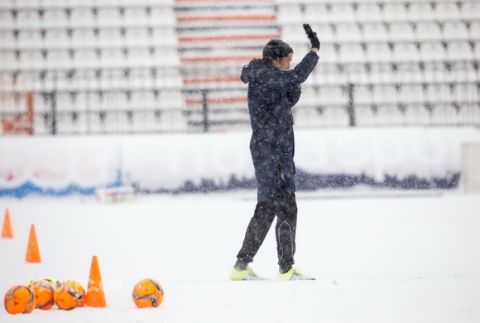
58 166
408 158
412 158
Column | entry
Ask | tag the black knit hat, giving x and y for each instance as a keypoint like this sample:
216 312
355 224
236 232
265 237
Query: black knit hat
276 48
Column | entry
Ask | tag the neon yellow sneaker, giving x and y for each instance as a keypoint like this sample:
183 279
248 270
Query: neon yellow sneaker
247 274
293 274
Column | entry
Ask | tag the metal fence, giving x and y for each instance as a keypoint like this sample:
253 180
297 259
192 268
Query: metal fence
130 102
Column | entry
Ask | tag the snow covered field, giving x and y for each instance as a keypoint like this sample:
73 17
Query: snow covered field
377 259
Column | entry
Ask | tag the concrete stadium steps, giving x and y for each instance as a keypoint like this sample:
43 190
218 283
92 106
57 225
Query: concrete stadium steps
215 39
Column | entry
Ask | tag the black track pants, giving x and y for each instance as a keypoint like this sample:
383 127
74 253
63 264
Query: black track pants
286 211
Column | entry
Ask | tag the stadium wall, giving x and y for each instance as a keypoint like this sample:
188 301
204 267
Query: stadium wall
405 158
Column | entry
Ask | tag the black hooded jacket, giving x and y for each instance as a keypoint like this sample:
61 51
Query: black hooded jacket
271 95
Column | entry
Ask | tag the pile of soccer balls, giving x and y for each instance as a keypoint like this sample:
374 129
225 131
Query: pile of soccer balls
45 293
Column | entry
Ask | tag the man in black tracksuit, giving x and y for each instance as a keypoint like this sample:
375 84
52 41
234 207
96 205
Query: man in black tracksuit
273 90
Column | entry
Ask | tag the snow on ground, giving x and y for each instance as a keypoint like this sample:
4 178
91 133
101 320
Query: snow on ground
377 259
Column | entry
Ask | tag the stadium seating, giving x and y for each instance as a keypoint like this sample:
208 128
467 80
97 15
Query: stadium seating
403 43
137 66
91 55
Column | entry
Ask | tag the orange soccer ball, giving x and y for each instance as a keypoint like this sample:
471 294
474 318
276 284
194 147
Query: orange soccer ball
147 293
69 294
19 299
43 290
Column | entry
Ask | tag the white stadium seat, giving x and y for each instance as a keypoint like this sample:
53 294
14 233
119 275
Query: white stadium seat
148 100
411 94
145 121
375 32
363 95
417 115
475 30
140 79
169 78
455 31
378 52
170 99
432 71
63 102
330 95
136 36
351 52
85 58
368 12
83 38
443 114
163 16
135 15
462 71
55 18
342 12
84 80
31 59
405 52
459 51
109 102
446 10
29 38
421 10
469 10
381 72
385 94
80 102
468 114
430 94
401 31
112 57
58 59
428 31
28 19
165 56
34 81
110 37
348 32
164 36
139 57
6 19
108 17
465 93
393 11
8 39
432 51
82 17
56 38
316 12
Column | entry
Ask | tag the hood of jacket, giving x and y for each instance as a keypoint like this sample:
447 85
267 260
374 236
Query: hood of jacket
253 70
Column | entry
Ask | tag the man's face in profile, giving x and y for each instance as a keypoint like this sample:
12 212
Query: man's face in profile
283 63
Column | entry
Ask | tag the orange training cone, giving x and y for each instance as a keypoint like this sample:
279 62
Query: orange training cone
7 227
33 255
95 295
